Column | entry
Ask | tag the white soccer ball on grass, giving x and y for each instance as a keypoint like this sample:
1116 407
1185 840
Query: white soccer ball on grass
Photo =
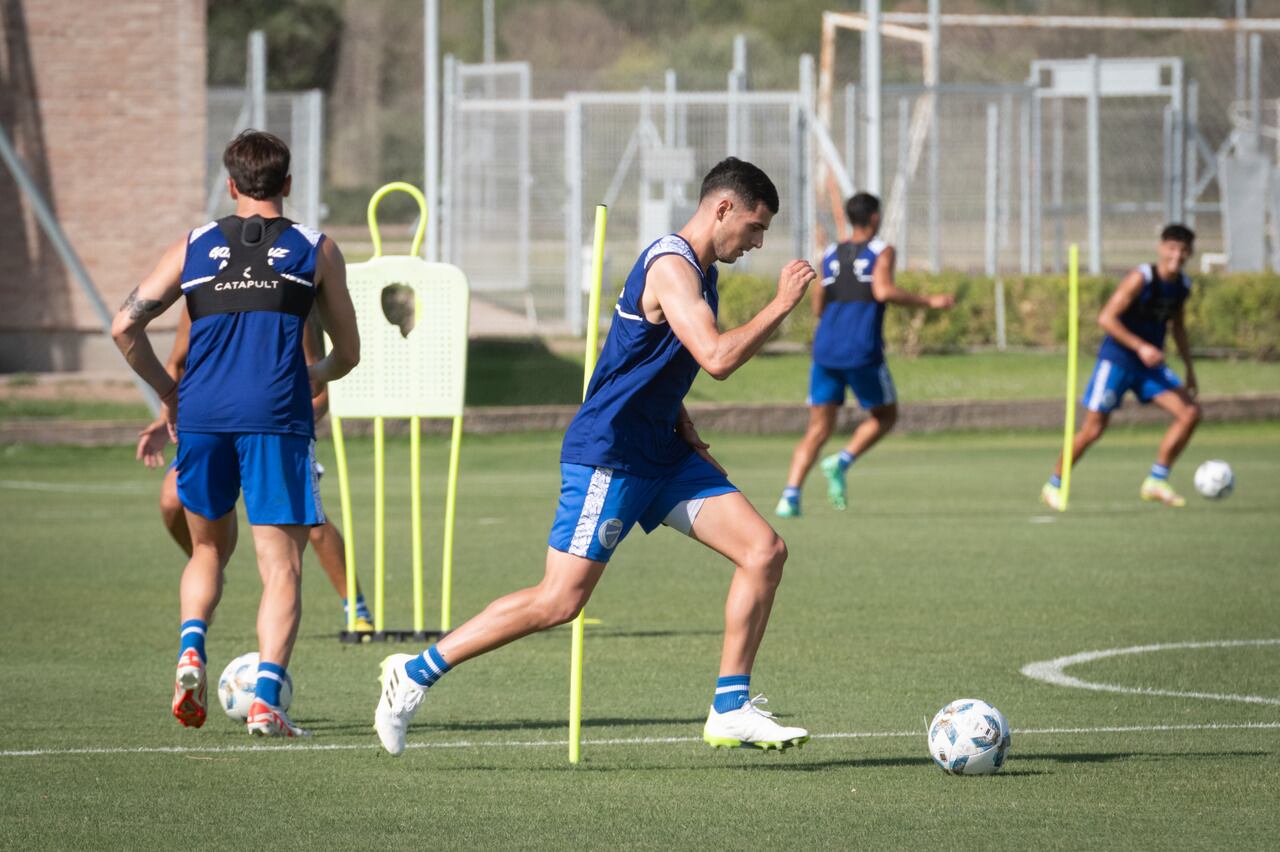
969 737
1215 480
238 682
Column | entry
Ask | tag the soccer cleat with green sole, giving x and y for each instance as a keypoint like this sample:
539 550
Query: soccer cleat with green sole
1160 491
787 508
750 726
836 492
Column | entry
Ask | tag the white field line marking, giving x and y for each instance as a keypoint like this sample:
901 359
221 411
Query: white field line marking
1051 671
632 741
78 487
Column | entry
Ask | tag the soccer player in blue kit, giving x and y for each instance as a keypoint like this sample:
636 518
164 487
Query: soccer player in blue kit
242 414
1148 303
632 455
848 351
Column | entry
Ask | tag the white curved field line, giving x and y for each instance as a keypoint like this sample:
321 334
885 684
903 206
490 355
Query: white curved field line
632 741
1051 671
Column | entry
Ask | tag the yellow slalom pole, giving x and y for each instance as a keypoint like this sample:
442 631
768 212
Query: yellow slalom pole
348 540
379 526
415 503
450 504
588 367
1073 351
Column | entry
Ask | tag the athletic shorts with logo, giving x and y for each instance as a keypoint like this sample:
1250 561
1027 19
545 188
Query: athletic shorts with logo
1110 382
600 505
871 385
278 474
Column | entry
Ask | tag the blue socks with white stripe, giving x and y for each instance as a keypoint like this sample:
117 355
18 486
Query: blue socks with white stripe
192 635
732 692
1055 480
270 679
362 608
1159 471
427 668
845 459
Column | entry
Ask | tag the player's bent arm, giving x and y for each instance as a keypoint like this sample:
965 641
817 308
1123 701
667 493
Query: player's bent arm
177 364
1121 299
677 291
313 351
338 316
884 290
148 300
1178 326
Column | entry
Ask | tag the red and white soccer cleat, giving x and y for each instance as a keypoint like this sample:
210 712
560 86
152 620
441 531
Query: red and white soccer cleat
189 690
267 721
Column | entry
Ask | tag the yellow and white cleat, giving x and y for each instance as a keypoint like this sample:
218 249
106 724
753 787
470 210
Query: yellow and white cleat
1160 491
267 721
750 727
1051 496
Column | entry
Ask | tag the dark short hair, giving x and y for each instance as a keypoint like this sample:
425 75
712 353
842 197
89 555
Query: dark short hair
258 162
860 208
1179 234
744 180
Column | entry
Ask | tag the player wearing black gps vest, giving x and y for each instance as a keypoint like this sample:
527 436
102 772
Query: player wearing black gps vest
848 351
1149 301
241 414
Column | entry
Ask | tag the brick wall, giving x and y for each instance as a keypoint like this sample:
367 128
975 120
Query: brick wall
105 102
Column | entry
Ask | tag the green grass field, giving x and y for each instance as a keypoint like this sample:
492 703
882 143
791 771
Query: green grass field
518 372
943 580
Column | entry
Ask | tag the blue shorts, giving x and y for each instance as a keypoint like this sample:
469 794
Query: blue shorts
872 385
276 472
1110 382
600 505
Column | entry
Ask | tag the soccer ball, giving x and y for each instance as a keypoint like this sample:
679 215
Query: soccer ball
236 686
1215 480
969 737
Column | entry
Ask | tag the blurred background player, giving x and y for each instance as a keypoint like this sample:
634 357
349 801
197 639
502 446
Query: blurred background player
1149 300
632 455
242 413
848 351
325 539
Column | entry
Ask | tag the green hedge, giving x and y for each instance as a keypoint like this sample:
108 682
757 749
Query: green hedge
1238 313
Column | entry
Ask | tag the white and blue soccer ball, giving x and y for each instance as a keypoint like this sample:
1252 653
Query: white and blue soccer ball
1215 480
969 737
238 682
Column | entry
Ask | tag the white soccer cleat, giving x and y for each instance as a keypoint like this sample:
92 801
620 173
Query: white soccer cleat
189 690
750 727
401 696
1051 496
267 721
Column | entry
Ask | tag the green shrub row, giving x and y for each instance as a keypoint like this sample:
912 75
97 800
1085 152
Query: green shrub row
1238 313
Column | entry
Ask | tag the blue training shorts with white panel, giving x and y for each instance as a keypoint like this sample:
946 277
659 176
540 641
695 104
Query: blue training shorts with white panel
1110 382
600 505
276 472
871 385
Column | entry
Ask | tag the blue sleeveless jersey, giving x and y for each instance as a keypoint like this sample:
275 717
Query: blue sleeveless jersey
628 419
1147 316
246 371
851 330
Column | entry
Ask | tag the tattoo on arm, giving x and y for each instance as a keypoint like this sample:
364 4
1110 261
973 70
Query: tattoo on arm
139 308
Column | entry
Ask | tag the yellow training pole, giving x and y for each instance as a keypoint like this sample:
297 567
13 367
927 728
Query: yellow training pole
415 503
588 367
1073 347
450 504
379 526
348 543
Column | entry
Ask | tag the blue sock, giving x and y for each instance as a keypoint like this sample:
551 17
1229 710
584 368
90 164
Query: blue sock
732 692
791 494
427 668
845 459
192 636
1055 481
362 608
270 679
1159 471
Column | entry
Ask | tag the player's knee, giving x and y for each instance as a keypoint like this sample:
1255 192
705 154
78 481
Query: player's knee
887 417
554 610
767 558
1191 414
